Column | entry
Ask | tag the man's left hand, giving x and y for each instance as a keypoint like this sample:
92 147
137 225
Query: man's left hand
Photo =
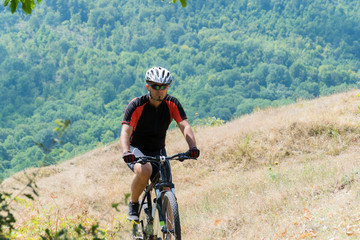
193 152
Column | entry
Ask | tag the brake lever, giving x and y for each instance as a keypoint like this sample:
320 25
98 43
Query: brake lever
142 161
184 157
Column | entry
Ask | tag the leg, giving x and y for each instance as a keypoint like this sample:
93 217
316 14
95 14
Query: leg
140 179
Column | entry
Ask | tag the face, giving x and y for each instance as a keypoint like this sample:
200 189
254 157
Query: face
157 91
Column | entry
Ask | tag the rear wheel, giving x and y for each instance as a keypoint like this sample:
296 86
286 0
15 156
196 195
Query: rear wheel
171 217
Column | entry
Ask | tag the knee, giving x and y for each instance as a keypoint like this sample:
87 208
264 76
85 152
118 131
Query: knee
143 171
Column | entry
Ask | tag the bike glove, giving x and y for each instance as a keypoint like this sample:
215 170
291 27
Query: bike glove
193 152
129 157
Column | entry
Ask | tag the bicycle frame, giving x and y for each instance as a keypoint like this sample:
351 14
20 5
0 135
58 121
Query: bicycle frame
158 185
161 186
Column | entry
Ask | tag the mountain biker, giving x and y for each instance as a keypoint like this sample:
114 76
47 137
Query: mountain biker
146 120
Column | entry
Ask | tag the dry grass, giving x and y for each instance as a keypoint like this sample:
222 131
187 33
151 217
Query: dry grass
284 173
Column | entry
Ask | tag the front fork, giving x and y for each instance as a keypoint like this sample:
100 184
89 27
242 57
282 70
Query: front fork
159 198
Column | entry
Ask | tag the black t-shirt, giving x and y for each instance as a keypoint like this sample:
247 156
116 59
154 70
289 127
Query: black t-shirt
150 124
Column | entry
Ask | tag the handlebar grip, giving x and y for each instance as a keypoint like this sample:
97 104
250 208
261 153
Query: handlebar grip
180 156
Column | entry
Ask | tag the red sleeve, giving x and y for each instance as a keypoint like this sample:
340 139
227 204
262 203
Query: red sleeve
133 112
176 111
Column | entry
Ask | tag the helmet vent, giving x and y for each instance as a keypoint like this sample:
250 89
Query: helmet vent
158 75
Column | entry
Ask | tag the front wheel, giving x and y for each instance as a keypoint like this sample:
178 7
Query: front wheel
172 229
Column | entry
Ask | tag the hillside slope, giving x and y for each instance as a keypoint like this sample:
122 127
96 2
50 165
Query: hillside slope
85 60
289 172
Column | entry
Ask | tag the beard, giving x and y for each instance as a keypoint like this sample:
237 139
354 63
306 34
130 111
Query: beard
158 98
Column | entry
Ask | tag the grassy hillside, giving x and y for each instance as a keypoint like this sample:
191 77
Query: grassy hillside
279 173
85 60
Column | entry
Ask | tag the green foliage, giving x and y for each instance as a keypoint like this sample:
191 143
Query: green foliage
82 233
27 5
210 121
183 2
7 219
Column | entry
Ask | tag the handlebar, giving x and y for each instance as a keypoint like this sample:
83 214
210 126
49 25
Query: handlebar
160 159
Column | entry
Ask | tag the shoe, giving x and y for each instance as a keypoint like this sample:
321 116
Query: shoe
133 212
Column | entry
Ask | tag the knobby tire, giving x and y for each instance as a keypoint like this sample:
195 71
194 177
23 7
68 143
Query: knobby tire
171 217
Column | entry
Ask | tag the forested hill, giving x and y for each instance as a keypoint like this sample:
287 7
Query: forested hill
84 60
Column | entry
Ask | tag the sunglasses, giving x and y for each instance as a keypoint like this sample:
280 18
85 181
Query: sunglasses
158 87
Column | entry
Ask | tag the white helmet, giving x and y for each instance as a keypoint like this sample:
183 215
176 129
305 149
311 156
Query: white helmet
158 75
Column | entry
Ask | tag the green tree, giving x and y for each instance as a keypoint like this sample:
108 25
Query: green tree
298 70
249 105
175 31
3 53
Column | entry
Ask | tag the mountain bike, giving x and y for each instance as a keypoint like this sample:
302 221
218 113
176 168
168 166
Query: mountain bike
159 217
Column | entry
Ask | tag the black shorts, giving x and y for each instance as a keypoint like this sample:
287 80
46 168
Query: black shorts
155 167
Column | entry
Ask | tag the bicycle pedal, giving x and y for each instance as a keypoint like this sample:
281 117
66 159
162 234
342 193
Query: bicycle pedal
135 222
137 237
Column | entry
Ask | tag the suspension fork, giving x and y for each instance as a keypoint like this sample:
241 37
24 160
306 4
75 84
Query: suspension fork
159 198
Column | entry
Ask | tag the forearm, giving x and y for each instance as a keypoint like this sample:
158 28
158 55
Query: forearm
125 144
188 133
125 138
189 136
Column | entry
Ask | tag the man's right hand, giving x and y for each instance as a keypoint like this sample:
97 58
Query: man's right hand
129 157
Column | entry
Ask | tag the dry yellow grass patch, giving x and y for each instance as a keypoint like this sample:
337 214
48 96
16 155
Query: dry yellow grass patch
284 173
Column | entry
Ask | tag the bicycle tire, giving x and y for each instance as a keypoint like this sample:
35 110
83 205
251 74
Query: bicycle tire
171 217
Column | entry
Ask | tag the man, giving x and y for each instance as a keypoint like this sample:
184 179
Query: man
146 120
